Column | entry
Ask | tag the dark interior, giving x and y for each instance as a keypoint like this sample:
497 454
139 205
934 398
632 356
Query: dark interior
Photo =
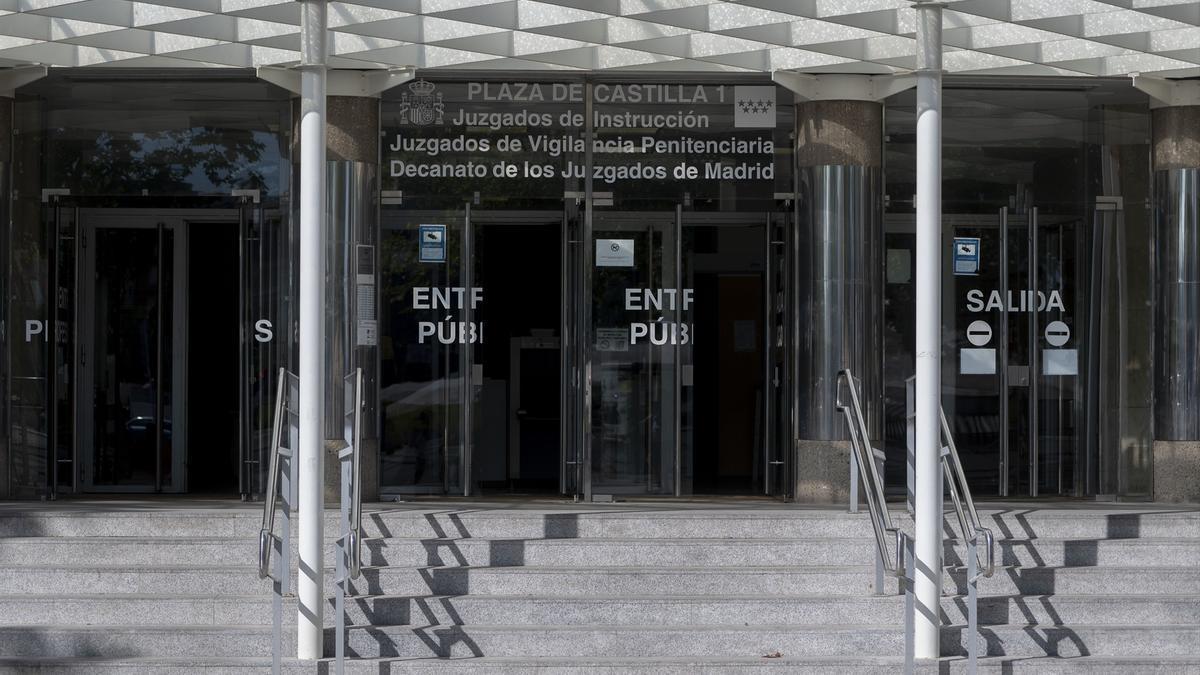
212 358
520 276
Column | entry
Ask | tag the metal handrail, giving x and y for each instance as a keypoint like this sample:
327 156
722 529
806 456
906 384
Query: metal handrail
960 494
881 521
349 543
266 535
354 537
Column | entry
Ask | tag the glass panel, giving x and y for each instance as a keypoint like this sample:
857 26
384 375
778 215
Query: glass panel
1070 416
175 136
265 268
1021 365
972 368
61 330
575 353
426 339
636 323
723 394
166 360
1060 328
128 333
779 447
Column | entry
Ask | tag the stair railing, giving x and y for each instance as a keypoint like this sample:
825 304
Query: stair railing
866 459
280 487
973 534
349 542
869 463
970 527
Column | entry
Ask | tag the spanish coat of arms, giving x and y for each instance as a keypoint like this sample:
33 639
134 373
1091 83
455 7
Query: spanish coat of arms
421 106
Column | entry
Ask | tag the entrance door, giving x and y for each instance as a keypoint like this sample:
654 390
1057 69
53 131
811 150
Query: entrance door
472 351
640 331
131 350
681 358
167 335
1015 296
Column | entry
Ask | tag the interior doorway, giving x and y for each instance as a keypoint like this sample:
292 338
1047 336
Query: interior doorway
212 358
158 351
519 356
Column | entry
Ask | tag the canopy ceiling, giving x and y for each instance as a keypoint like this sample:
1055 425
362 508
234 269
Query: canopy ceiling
1010 37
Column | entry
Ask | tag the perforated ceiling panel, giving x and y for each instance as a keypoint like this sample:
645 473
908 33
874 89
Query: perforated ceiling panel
1037 37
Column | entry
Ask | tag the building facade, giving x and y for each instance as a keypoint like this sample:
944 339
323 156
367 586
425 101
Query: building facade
598 283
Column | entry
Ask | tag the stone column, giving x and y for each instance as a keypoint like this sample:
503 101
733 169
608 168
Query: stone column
351 328
839 241
1176 165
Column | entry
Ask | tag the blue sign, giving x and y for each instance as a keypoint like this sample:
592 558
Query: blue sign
966 256
433 243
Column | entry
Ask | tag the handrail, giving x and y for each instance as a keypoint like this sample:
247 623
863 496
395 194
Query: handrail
354 541
348 554
281 474
960 494
881 521
266 534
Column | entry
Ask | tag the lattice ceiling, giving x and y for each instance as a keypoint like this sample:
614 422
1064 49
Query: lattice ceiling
1029 37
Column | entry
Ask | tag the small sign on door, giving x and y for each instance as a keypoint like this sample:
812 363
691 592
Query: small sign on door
966 256
432 243
614 253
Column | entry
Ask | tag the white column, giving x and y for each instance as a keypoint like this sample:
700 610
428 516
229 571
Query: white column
311 585
928 531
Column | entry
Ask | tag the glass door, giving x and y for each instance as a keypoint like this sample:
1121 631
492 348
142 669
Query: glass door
428 373
639 322
263 310
61 339
131 315
1014 306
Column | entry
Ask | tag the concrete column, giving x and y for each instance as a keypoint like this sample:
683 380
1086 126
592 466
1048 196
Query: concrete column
839 148
1176 196
351 321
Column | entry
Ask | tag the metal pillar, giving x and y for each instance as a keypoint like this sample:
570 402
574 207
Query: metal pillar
928 530
311 584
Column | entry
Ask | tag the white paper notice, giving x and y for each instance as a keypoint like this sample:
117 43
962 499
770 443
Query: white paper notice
614 253
368 334
977 361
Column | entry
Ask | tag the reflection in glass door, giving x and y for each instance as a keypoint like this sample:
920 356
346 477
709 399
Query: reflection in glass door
130 357
427 392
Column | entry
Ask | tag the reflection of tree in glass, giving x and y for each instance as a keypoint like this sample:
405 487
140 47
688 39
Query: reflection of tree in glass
170 161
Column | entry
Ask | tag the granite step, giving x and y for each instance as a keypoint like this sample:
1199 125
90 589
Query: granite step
125 641
1074 640
621 641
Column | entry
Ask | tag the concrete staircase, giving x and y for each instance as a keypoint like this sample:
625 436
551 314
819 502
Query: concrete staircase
628 589
1081 589
131 588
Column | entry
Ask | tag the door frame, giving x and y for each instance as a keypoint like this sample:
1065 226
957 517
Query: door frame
178 221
